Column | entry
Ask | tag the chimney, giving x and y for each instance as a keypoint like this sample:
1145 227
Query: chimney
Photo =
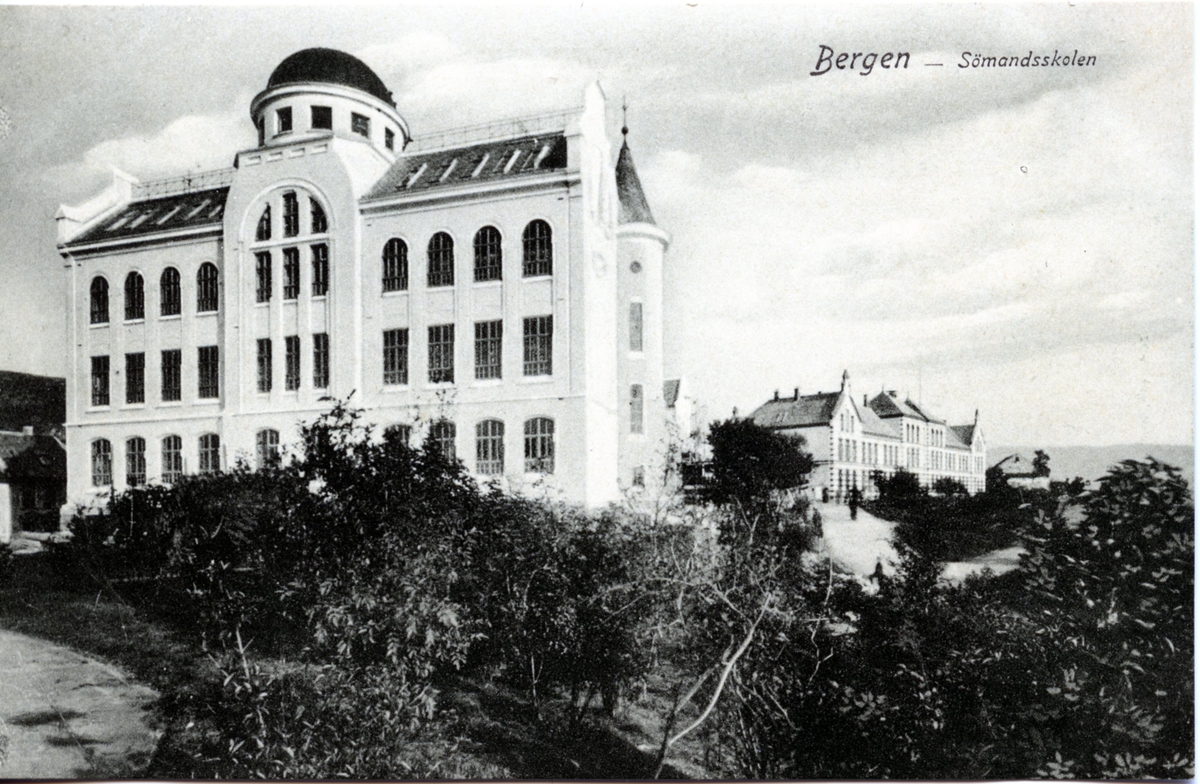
776 394
796 393
891 393
864 399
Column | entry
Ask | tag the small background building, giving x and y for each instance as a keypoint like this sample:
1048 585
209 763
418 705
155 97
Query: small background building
851 440
33 469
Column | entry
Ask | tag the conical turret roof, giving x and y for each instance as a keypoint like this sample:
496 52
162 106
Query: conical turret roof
634 207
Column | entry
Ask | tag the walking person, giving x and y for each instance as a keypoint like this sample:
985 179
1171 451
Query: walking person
853 501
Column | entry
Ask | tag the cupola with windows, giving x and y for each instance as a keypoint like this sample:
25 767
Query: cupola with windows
323 92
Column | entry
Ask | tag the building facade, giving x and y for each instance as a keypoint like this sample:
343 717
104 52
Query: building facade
496 289
852 443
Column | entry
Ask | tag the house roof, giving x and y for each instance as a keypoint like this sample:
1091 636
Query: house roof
331 67
633 205
888 404
167 213
490 161
963 434
33 401
31 457
671 392
872 425
804 411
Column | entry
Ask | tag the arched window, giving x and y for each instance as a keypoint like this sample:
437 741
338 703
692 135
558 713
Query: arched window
538 250
441 260
135 462
441 438
489 447
168 288
210 453
135 297
488 263
172 459
263 232
539 445
99 300
395 265
101 463
320 224
206 288
266 444
291 214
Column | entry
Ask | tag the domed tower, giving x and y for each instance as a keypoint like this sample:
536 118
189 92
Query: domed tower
317 92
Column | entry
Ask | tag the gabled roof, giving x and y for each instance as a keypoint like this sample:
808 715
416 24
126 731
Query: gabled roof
888 405
633 205
490 161
804 411
31 457
33 401
963 434
872 425
671 392
168 213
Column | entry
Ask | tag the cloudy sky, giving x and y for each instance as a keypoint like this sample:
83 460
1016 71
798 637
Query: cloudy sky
1017 240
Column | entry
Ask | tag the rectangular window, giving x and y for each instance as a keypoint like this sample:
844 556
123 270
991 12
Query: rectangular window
635 326
291 355
489 447
101 463
320 270
637 410
389 138
283 120
395 356
135 462
99 381
321 360
488 339
262 273
135 378
360 124
441 354
264 364
291 273
210 372
291 214
210 453
172 381
172 459
322 117
538 345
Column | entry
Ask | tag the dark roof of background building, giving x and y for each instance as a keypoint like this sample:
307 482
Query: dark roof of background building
633 205
33 401
167 213
874 426
32 457
475 163
804 411
964 434
888 405
331 67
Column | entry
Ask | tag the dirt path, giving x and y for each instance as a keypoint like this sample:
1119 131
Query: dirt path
65 715
857 545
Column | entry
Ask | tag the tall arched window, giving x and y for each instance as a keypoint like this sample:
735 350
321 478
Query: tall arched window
210 453
101 463
291 214
488 263
441 260
442 434
539 445
266 444
538 250
489 447
172 459
135 297
320 224
263 232
395 265
206 288
99 300
135 462
169 294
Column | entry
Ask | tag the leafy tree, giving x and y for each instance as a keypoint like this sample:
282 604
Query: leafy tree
948 487
750 462
1041 463
902 488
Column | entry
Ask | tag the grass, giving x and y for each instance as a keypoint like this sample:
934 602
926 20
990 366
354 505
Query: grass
485 730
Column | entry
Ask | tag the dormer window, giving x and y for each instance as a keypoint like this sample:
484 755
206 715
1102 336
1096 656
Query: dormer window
283 120
322 117
360 124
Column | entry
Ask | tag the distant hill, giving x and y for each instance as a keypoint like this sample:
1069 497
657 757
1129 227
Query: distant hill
1092 462
29 400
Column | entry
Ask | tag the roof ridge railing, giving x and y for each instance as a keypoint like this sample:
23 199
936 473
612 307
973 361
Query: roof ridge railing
187 183
510 128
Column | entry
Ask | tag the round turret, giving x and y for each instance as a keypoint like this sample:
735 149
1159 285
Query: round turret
322 92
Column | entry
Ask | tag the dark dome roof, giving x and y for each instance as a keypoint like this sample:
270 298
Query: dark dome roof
332 67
